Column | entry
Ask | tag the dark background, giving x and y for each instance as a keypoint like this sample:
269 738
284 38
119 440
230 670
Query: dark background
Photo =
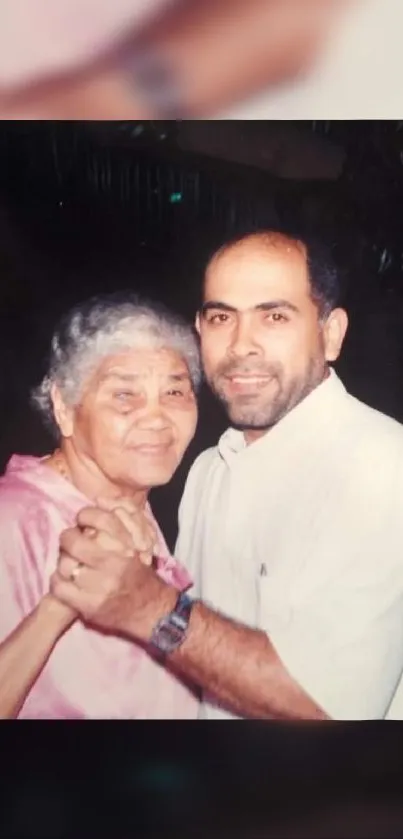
86 208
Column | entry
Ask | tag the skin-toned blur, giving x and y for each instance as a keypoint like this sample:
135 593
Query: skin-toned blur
137 417
216 51
265 344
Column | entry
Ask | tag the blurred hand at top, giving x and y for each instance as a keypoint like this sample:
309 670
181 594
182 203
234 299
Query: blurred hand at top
141 59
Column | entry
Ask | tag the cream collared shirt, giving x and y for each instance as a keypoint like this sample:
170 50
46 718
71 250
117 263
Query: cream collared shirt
301 535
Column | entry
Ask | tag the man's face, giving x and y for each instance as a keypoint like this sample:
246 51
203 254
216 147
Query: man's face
264 345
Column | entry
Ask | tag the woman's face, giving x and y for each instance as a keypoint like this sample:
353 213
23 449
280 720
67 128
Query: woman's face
136 418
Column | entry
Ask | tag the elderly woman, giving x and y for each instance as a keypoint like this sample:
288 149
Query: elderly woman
120 396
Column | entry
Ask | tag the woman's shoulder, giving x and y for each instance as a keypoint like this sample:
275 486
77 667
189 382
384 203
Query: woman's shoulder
18 488
27 538
26 502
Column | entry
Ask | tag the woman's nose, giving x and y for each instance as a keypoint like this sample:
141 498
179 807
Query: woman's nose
154 418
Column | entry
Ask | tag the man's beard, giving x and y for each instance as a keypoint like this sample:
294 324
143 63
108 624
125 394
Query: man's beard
279 396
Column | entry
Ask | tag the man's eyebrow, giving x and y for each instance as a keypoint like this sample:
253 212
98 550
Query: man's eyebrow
277 304
216 304
267 306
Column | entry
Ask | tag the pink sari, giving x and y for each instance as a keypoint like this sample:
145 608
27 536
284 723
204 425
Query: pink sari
88 675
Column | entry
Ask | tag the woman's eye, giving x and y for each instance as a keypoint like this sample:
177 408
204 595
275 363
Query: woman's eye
176 393
123 395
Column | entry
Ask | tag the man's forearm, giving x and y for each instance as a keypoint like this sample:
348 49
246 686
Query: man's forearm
236 664
241 669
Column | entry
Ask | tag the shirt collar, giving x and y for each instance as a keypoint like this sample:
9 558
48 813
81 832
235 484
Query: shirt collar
314 412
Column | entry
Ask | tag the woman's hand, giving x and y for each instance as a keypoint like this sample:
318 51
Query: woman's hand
24 653
143 534
101 575
57 613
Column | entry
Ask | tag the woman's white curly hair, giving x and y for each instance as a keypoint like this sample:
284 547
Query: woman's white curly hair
103 326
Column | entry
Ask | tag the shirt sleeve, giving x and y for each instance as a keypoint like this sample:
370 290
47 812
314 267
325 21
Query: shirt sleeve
23 539
343 642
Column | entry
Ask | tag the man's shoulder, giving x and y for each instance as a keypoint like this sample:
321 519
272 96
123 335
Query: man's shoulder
200 474
202 463
376 427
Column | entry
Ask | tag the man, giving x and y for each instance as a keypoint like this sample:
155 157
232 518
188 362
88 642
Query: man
291 527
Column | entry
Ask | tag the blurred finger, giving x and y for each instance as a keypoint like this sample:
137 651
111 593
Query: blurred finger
110 504
142 532
107 523
94 551
65 591
70 569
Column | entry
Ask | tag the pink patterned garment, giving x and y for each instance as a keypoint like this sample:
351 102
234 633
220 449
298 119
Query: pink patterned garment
88 675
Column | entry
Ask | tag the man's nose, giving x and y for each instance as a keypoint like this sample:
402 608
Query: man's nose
244 340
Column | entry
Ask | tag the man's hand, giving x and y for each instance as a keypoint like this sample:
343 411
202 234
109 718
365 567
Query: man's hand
103 578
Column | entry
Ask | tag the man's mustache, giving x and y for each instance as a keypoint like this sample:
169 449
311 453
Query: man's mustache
230 370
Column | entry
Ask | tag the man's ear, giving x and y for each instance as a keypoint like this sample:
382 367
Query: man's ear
63 414
197 322
334 333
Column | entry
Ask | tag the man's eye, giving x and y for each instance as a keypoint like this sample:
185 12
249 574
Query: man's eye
220 317
275 317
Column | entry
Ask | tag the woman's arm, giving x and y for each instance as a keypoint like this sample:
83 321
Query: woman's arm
25 652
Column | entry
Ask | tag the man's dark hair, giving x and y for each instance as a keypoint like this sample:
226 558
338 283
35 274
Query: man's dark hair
323 273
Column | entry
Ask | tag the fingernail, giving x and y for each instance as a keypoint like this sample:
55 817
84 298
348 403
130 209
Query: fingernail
90 531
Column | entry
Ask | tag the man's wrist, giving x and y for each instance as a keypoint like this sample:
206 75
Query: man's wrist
171 631
162 601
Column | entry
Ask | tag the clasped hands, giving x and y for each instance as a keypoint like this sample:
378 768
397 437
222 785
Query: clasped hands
105 572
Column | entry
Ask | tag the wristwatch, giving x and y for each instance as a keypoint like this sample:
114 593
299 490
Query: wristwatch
170 632
158 81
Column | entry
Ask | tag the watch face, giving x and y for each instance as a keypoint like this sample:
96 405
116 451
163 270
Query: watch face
170 632
168 637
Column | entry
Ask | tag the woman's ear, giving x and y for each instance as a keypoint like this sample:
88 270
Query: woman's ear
63 414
